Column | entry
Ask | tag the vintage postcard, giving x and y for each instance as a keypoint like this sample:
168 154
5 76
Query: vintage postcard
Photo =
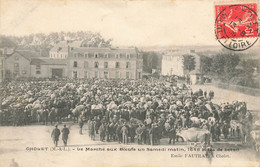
129 83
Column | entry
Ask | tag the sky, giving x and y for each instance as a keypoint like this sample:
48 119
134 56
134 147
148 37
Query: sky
135 23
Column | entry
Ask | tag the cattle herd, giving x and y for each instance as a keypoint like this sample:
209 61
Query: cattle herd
126 110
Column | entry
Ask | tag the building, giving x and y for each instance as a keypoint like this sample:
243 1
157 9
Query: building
173 62
94 62
60 50
42 67
3 52
74 62
17 64
196 77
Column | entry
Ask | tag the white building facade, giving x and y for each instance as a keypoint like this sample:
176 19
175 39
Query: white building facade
173 63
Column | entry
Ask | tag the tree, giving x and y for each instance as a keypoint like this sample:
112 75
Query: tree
246 76
7 42
189 62
218 65
224 66
49 40
231 61
205 64
151 60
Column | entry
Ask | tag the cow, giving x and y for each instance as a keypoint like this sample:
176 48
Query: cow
196 135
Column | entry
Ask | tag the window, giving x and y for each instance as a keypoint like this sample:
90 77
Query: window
117 74
86 55
96 65
140 75
85 64
105 64
128 56
117 65
106 55
127 64
127 75
96 74
75 64
117 56
38 67
75 55
106 74
96 55
75 74
85 74
16 67
16 73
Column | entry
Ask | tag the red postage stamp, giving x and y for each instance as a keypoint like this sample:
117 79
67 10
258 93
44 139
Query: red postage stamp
236 26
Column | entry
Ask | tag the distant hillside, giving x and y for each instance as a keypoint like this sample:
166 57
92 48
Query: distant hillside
251 53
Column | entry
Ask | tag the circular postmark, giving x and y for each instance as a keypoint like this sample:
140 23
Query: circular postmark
236 26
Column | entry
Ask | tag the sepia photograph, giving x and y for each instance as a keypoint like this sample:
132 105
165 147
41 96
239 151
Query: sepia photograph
129 83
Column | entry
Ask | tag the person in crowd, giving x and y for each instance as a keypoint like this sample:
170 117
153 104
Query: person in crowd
55 135
81 124
172 134
119 134
217 131
109 104
92 129
212 131
124 132
139 134
209 153
65 135
205 94
225 130
152 134
102 132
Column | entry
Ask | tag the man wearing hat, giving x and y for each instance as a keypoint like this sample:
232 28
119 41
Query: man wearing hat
55 135
65 135
139 133
152 134
124 132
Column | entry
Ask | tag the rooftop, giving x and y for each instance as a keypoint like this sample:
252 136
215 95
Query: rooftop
62 46
105 50
48 61
28 54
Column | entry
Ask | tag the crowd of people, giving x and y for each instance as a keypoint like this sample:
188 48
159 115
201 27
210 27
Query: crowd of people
142 111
